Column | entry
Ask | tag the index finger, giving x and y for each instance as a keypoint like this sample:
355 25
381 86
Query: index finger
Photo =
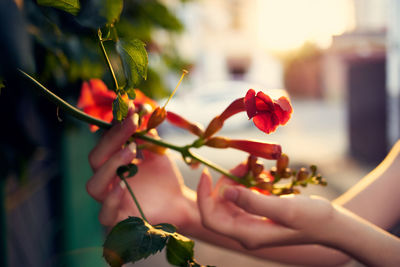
112 141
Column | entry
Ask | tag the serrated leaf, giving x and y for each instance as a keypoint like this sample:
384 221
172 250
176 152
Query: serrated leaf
134 60
70 6
131 240
131 169
120 108
97 13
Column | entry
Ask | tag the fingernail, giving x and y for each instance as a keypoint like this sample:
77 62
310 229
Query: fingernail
130 150
229 193
131 108
132 147
122 185
135 119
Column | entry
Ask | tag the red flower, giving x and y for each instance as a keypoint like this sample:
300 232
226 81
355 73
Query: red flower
258 149
96 100
267 114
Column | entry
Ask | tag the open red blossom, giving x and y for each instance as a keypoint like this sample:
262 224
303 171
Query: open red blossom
96 100
267 114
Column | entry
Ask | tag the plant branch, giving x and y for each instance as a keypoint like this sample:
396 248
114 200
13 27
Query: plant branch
82 116
65 106
103 50
134 198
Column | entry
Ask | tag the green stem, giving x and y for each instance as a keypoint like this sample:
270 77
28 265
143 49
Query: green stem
134 198
78 114
217 168
158 142
107 60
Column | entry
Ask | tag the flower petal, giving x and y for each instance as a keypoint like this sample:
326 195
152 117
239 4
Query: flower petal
283 110
266 122
250 103
86 97
264 102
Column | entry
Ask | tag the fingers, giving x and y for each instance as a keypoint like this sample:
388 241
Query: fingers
112 141
98 184
110 208
272 207
204 188
240 169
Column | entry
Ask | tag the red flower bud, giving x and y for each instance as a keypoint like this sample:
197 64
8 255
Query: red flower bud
218 142
194 128
156 118
216 124
258 149
282 163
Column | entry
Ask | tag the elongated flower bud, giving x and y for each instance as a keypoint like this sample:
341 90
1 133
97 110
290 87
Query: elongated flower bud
257 149
218 142
194 128
156 118
216 124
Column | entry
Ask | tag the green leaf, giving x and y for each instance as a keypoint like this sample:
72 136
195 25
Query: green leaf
134 59
131 169
131 240
131 93
120 108
179 250
97 13
70 6
166 227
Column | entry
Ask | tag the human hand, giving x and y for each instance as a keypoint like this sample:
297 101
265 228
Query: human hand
257 220
158 184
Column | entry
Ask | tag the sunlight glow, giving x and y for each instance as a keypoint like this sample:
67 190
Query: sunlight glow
287 24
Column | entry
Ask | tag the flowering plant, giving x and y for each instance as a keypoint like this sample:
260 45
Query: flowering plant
101 106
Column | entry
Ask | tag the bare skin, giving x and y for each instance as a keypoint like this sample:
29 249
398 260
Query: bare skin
164 198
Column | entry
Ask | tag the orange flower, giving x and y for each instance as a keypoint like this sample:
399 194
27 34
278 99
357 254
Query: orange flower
267 114
96 100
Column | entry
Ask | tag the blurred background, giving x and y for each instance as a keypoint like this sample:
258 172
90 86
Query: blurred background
339 61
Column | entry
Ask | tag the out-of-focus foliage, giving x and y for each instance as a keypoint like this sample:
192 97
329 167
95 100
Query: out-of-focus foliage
66 48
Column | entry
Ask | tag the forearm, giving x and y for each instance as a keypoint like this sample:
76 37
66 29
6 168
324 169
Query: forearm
375 198
362 240
309 255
